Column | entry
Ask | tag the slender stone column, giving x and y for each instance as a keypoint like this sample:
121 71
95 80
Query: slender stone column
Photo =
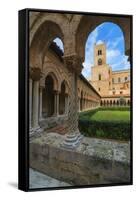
35 104
73 136
40 106
30 106
36 75
56 103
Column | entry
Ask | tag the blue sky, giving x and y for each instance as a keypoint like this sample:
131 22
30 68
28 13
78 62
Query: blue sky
110 34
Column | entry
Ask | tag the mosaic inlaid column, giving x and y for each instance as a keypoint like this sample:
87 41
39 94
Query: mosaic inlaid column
73 137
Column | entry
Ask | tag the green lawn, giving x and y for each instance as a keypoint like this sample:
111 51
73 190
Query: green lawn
111 115
109 123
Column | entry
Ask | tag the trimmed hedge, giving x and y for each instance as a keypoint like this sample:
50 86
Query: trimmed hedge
119 130
104 129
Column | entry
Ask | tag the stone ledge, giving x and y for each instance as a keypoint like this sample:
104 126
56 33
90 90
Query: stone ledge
95 161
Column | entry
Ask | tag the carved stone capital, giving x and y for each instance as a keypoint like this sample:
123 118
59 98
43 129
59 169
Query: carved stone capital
35 73
73 63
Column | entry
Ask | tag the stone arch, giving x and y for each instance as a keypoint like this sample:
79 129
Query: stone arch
59 19
128 102
114 103
88 23
44 35
110 102
117 102
55 79
67 87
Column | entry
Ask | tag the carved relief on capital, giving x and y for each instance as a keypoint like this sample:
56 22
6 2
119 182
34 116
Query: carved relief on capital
73 63
35 73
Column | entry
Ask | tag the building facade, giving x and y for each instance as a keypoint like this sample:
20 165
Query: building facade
113 86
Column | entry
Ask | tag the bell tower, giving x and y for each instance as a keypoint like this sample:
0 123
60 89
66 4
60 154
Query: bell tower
99 54
101 72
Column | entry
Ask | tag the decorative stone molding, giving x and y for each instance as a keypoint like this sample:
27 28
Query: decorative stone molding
35 73
73 63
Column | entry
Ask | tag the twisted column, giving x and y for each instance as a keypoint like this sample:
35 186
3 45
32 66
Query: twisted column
73 137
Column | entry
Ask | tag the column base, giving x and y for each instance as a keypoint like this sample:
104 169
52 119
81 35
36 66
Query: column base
38 129
35 131
72 140
31 131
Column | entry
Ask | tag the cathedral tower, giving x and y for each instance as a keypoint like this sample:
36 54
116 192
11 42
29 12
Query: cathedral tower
101 71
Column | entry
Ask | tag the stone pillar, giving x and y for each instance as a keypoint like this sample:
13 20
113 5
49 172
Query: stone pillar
73 136
35 104
40 104
30 106
56 103
36 75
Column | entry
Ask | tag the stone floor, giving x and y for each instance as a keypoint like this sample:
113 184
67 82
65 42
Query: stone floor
40 180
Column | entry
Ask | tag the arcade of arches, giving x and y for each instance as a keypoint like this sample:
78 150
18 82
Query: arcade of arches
57 89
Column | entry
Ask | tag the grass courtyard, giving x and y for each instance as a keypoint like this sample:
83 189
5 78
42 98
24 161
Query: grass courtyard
111 115
110 123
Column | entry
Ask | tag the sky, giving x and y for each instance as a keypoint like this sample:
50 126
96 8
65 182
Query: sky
112 36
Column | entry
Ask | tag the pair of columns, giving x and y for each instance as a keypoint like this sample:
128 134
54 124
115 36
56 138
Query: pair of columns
34 103
56 104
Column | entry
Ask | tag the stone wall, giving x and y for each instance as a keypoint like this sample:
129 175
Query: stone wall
95 161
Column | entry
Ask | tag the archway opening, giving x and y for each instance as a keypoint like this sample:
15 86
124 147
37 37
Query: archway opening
112 36
59 43
48 97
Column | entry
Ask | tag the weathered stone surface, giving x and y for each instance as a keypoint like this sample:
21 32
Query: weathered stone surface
95 161
39 180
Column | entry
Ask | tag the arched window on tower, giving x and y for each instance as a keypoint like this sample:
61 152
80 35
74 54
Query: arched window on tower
99 77
99 52
99 61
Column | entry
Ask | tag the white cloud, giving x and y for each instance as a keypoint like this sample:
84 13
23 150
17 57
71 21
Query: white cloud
121 64
59 43
99 42
112 55
87 69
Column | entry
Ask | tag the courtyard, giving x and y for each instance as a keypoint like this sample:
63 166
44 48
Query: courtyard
79 102
106 122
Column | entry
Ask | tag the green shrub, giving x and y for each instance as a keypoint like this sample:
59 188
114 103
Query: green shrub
105 129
